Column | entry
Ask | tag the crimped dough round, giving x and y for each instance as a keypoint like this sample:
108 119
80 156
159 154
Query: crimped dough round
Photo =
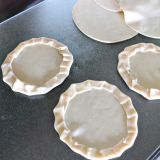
139 67
96 120
36 66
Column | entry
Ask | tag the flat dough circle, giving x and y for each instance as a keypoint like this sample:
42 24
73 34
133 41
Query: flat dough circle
111 5
36 66
100 24
143 16
96 120
48 65
139 67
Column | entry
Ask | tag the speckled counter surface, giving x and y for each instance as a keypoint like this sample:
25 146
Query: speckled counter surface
27 123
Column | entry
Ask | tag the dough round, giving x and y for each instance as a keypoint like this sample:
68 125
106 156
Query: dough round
36 66
96 120
140 68
100 24
143 16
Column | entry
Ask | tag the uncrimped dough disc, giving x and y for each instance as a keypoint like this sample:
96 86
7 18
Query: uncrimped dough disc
100 24
111 5
143 16
139 66
96 120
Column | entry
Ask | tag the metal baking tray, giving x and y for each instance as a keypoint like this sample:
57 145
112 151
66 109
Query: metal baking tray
27 123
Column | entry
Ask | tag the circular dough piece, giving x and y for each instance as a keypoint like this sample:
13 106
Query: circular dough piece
111 5
139 66
100 24
36 66
143 16
96 120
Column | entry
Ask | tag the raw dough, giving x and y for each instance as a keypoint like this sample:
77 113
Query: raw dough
143 16
96 120
86 114
139 66
44 61
111 5
100 24
36 66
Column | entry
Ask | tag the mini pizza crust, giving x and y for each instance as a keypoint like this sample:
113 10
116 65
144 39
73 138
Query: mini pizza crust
68 112
36 66
139 67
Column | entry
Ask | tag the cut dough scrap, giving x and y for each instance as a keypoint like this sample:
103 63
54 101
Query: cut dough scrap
36 66
111 5
100 24
143 16
140 68
96 120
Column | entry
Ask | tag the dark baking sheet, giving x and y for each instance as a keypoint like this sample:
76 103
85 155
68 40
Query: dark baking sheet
26 123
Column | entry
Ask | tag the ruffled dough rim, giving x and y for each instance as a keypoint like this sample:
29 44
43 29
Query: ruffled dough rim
19 86
124 69
93 153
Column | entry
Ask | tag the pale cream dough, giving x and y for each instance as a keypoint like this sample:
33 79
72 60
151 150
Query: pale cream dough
100 24
139 66
143 16
146 68
36 64
96 119
111 5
